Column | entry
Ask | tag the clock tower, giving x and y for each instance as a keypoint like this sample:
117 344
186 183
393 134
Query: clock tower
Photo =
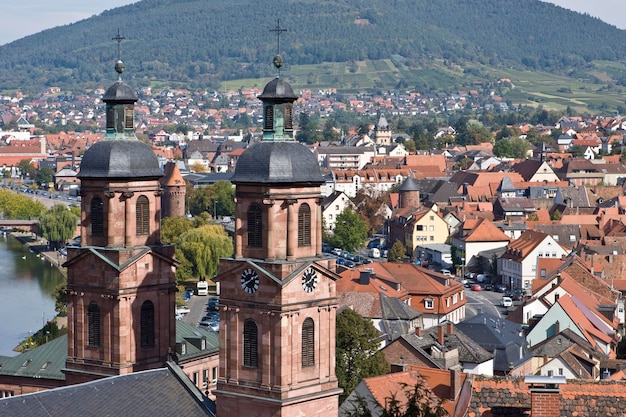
278 297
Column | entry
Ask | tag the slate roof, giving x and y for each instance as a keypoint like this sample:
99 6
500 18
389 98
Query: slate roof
469 350
497 335
397 316
159 392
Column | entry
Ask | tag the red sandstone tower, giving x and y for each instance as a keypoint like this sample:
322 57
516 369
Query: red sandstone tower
174 191
121 284
278 296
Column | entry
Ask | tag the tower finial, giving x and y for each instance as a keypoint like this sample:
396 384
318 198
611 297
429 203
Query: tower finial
278 60
119 66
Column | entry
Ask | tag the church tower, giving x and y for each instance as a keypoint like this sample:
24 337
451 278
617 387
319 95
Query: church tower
278 297
382 132
121 285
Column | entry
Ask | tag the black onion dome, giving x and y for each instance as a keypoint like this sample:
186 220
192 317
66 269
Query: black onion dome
120 159
277 162
120 93
278 89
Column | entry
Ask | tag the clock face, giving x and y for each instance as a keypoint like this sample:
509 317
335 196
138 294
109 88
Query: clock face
309 280
250 281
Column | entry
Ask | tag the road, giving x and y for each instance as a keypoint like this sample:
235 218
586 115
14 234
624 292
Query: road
483 302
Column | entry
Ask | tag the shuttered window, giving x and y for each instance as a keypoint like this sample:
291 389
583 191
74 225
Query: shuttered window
250 344
147 324
97 217
93 324
269 118
304 225
111 117
288 117
255 226
143 213
308 343
128 118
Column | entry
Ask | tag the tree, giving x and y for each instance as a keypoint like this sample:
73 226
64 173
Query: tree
357 351
58 225
44 176
216 199
172 228
204 247
26 168
350 231
397 252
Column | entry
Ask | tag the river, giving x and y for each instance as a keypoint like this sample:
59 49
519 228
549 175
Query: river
27 284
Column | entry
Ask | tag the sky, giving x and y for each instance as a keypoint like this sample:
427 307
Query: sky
25 17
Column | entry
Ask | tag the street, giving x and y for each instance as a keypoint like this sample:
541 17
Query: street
483 302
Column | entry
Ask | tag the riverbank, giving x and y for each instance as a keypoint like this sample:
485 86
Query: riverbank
41 247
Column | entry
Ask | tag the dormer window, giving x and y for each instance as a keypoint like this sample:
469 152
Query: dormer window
429 304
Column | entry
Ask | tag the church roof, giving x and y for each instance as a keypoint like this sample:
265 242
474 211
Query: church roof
158 392
277 162
120 159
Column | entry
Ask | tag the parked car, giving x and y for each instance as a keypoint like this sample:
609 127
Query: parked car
476 287
500 288
445 272
506 302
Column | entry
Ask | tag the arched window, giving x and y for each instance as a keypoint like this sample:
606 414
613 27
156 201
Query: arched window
250 344
255 226
143 213
304 225
97 217
147 324
93 324
308 343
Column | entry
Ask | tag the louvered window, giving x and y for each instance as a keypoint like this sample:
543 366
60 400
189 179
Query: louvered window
143 213
288 117
269 118
250 344
147 324
255 226
93 324
304 225
97 217
128 118
111 117
308 343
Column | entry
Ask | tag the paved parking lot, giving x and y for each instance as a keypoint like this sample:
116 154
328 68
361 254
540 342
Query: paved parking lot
198 306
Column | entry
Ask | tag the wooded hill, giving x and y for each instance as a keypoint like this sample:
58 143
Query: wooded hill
200 43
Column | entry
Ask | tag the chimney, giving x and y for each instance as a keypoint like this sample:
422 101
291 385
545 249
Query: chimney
364 277
455 385
449 327
418 331
440 334
545 395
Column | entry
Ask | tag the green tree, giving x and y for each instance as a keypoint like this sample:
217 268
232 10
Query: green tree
172 228
204 247
26 168
216 199
397 252
44 176
556 215
357 351
58 225
350 231
17 206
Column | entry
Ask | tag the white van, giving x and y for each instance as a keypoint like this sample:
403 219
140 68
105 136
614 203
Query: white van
506 302
374 253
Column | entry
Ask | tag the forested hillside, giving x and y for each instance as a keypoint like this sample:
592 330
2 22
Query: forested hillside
202 42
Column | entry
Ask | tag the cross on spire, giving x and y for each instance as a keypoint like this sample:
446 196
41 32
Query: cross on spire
119 38
278 31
